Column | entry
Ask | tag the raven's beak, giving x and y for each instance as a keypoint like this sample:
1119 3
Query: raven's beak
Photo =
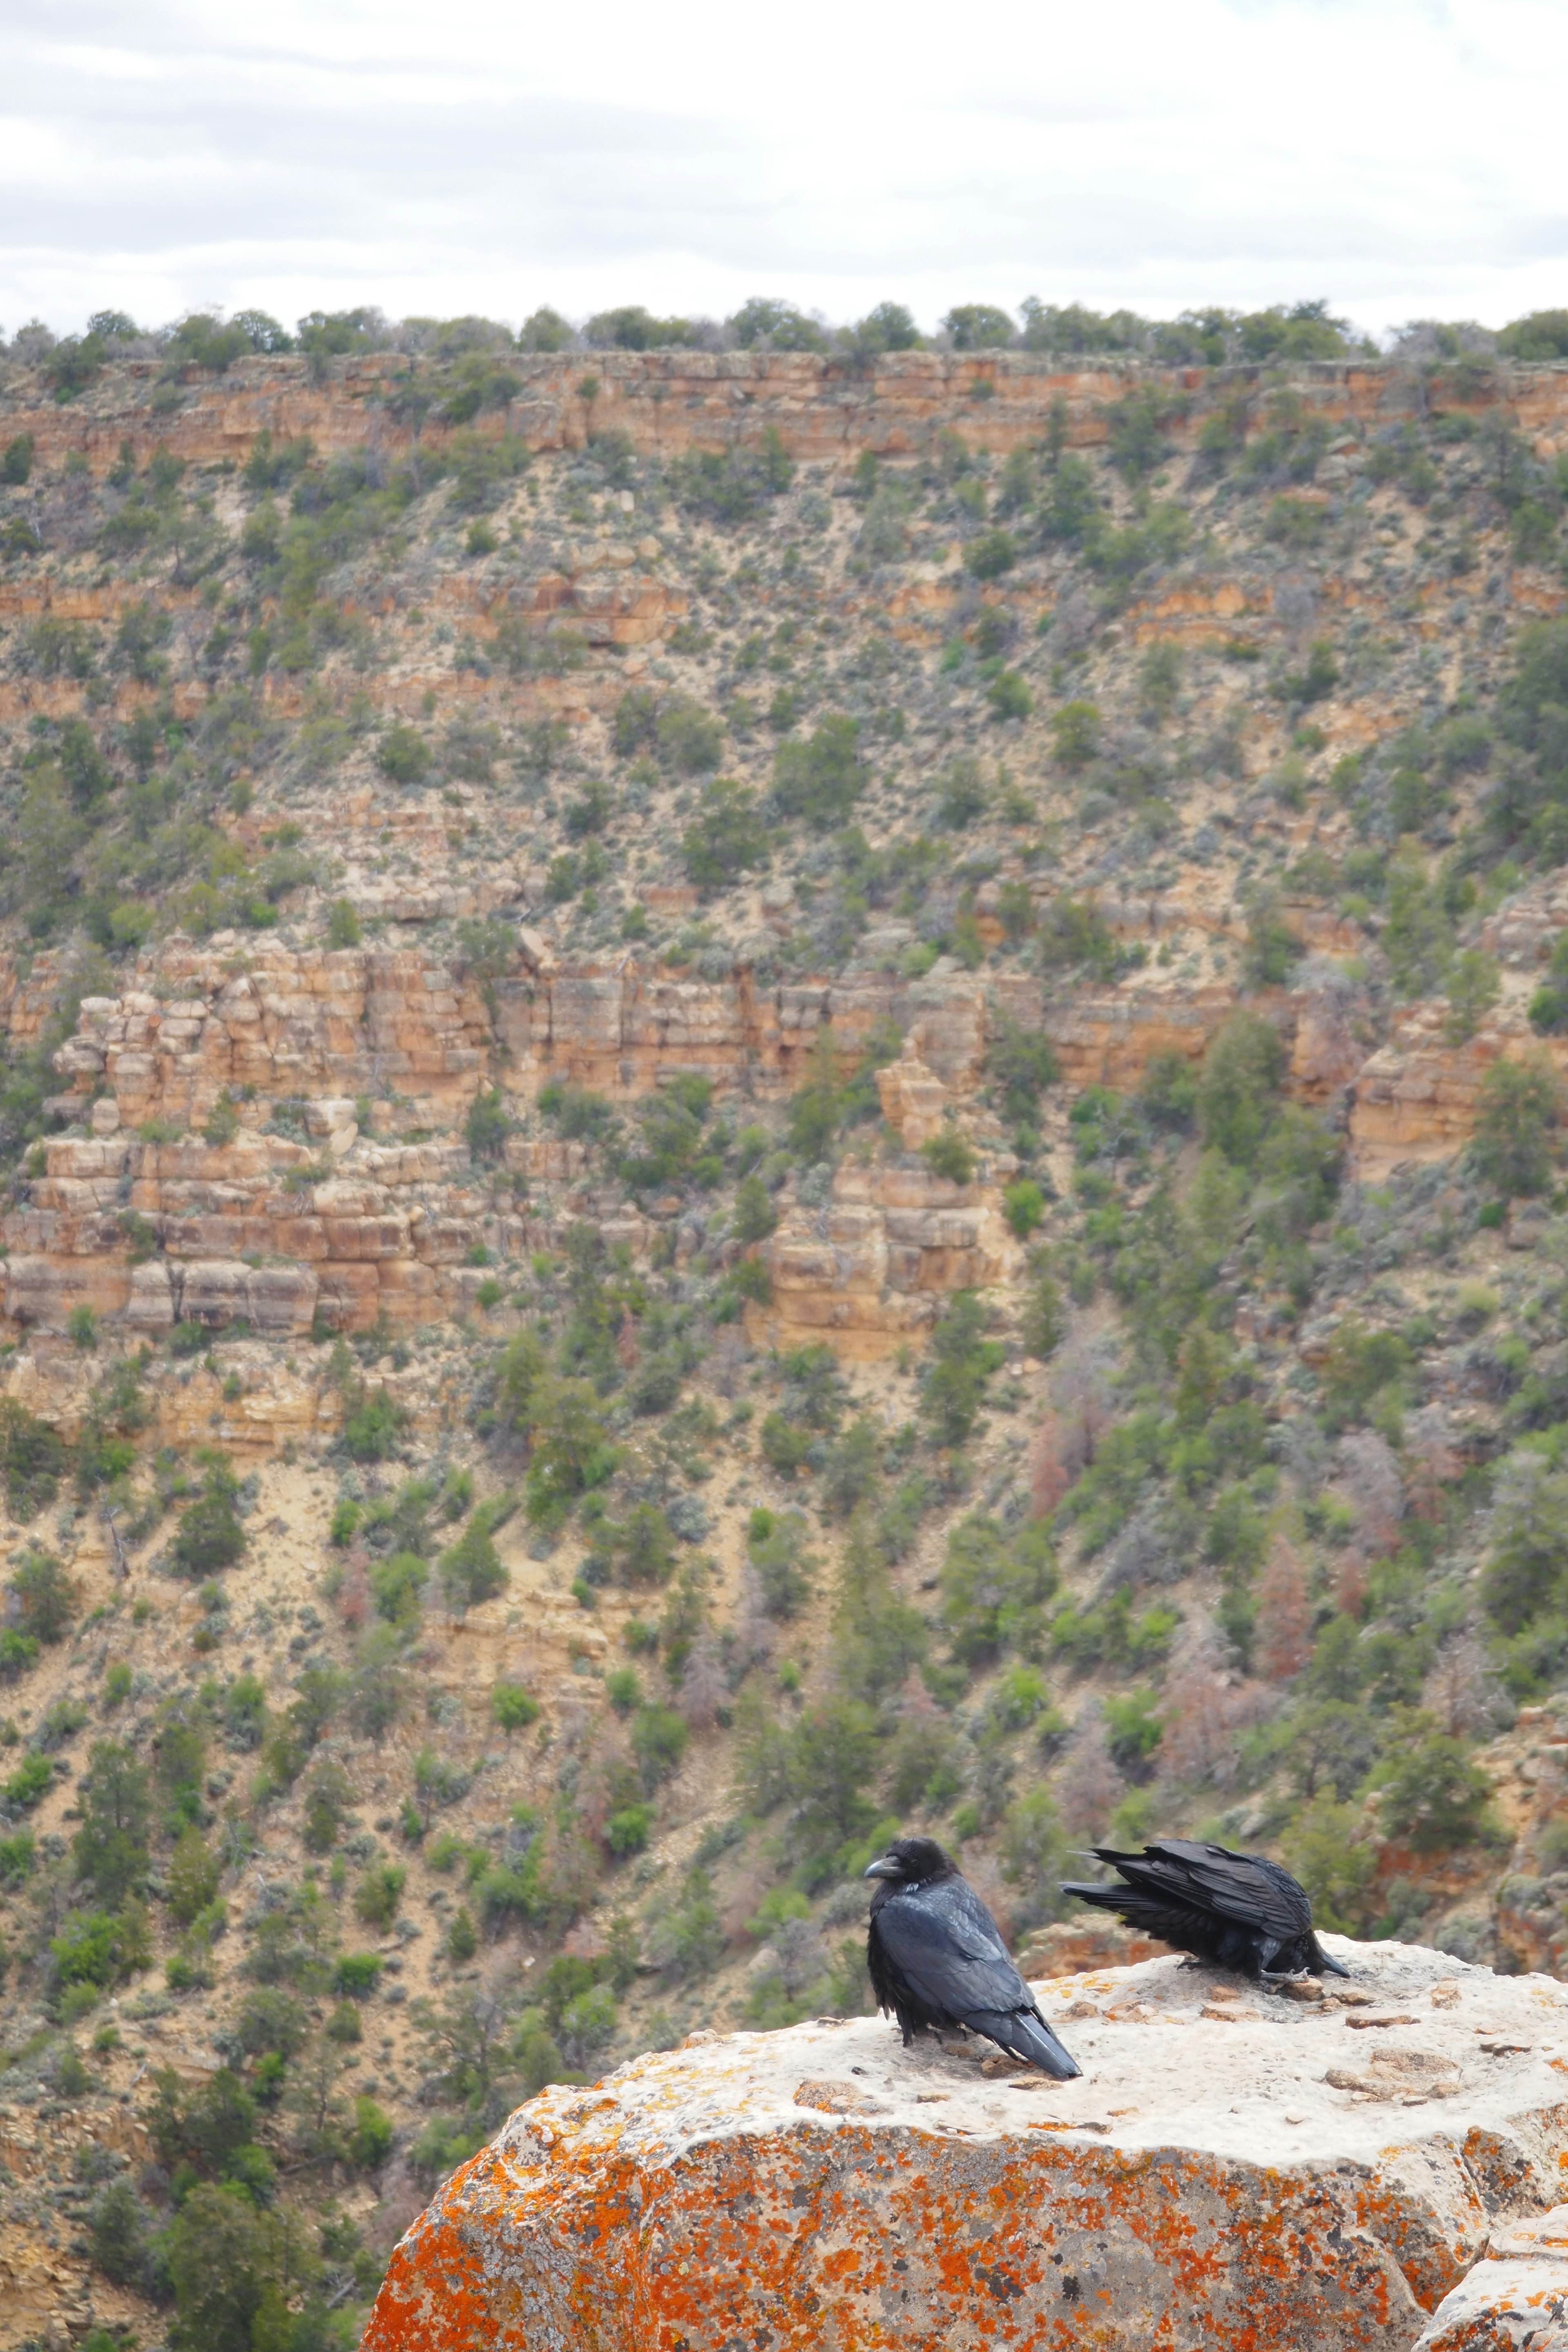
886 1868
1330 1963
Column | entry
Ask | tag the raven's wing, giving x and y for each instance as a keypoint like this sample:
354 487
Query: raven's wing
1240 1886
1200 1931
944 1942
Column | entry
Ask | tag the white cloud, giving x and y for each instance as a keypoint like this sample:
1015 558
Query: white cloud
1400 158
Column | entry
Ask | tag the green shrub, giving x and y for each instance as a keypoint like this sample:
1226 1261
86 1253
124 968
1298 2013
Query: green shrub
32 1460
210 1535
571 1452
512 1706
1435 1795
687 737
1520 1107
1075 733
961 795
785 1568
472 1569
727 837
374 1426
378 1894
356 1974
1009 695
403 755
343 928
370 2142
1238 1090
1133 1729
785 1446
991 554
1543 335
755 1216
820 779
192 1881
231 2265
641 1546
31 1781
1024 1206
949 1156
16 1858
1472 988
100 1947
734 484
44 1597
1549 1005
961 1362
119 2231
1108 1634
627 1828
1020 1064
994 1588
395 1586
487 1125
658 1738
109 1849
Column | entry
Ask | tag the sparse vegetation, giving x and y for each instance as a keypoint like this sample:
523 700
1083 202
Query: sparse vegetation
917 1203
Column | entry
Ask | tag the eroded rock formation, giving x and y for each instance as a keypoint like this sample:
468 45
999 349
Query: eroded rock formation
1233 2167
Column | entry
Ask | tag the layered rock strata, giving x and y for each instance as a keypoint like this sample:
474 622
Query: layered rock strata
340 1189
823 407
1233 2166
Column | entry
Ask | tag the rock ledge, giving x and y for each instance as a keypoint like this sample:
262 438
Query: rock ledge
1233 2169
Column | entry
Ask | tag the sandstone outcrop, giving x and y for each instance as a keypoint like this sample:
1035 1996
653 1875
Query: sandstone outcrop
1514 2301
665 402
346 1193
300 1218
1233 2166
867 1269
1418 1098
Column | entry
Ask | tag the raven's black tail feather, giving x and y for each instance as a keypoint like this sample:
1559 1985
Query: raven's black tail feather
1026 2037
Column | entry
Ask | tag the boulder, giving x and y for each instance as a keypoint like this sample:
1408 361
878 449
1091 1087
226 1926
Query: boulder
1515 2301
1319 2167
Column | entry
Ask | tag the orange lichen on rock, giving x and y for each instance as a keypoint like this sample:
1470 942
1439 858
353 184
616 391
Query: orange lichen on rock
713 2197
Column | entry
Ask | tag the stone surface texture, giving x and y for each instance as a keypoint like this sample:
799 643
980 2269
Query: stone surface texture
1514 2301
1235 2167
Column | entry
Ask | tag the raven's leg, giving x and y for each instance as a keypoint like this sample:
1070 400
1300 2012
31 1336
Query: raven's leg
1270 1949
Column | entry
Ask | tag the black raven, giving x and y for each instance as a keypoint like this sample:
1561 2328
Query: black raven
937 1958
1237 1909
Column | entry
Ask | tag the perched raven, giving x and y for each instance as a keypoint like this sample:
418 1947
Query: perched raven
937 1958
1236 1909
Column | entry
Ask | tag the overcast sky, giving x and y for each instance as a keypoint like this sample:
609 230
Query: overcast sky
1404 159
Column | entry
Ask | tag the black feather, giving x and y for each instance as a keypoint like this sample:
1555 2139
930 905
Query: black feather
937 1958
1241 1911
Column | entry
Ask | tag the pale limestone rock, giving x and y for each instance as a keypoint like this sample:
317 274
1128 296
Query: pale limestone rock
1514 2301
1201 2185
914 1101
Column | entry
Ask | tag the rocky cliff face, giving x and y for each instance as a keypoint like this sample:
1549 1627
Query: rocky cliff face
764 1089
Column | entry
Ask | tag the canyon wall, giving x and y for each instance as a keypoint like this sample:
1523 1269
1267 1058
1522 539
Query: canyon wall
277 1136
668 402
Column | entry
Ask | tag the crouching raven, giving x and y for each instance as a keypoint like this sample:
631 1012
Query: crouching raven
1237 1909
937 1958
